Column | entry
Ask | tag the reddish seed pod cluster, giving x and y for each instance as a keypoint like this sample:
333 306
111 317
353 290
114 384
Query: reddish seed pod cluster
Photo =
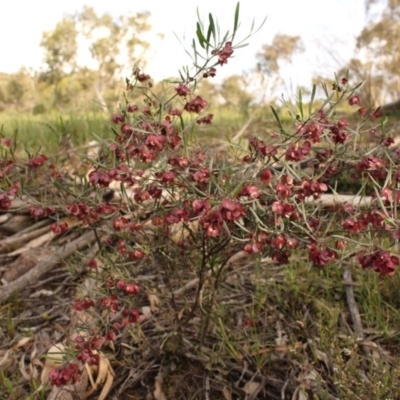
37 161
197 105
321 255
225 53
40 212
182 90
129 288
5 202
60 228
66 375
380 261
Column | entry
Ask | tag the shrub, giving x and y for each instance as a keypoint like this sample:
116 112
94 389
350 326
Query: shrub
180 206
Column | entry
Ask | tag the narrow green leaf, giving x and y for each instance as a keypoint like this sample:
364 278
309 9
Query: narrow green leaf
278 120
200 36
252 25
241 46
212 25
384 122
300 104
198 17
182 123
208 38
58 185
347 239
236 20
310 106
225 37
327 100
237 190
195 51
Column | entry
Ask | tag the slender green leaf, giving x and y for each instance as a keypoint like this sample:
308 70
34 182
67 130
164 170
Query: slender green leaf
198 17
195 52
347 239
212 25
300 104
252 25
278 120
241 46
236 20
200 36
225 37
310 106
208 38
58 185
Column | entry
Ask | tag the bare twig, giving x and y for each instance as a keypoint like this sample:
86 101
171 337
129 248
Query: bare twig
194 282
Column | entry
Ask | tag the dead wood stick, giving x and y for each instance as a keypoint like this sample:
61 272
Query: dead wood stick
5 217
20 204
353 309
46 265
37 225
16 241
332 199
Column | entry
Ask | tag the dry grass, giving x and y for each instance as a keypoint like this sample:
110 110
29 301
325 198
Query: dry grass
268 333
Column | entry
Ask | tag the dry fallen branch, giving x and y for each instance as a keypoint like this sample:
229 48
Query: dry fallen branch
11 223
46 265
26 262
20 205
17 241
332 199
353 309
94 376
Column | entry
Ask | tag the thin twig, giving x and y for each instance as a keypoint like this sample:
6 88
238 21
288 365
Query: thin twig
194 282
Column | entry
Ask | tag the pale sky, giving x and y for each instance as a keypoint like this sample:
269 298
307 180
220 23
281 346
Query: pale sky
327 27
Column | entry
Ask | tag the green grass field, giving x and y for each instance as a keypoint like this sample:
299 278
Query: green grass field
44 133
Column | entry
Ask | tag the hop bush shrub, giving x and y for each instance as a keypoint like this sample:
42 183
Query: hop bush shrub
179 205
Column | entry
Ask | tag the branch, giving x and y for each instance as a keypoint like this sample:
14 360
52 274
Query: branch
45 266
332 199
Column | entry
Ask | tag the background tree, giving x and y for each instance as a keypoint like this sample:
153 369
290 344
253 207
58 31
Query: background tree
115 45
61 47
274 57
18 92
234 93
377 57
